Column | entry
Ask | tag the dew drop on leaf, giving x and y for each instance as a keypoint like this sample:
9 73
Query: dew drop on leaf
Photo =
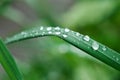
67 30
57 28
57 33
41 28
31 34
49 32
104 48
86 38
49 28
24 34
64 35
77 34
116 58
95 45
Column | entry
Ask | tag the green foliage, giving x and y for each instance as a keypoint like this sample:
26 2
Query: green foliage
8 63
98 11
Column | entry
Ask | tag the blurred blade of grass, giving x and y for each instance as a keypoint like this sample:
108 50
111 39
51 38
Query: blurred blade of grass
89 12
19 18
92 47
15 15
4 5
8 63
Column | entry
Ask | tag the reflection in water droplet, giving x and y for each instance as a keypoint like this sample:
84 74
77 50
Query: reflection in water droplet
57 33
49 28
64 35
67 30
86 38
95 45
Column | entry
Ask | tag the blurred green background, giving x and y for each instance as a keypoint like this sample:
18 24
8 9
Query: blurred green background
50 58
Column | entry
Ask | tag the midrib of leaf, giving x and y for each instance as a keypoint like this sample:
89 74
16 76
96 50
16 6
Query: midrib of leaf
103 53
8 63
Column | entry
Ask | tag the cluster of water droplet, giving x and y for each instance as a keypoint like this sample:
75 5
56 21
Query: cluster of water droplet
42 31
116 58
64 33
95 46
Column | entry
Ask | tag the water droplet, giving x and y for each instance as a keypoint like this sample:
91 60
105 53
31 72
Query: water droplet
116 58
77 34
57 28
49 32
24 34
95 45
67 30
35 32
57 33
41 28
86 38
49 28
104 48
64 35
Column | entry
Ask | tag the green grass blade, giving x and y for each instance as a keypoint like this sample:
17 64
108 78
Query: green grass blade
8 63
92 47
